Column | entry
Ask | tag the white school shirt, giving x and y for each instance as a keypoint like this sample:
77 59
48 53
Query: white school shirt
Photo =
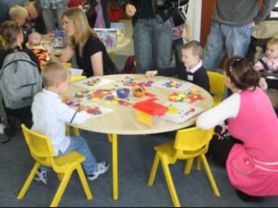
228 108
50 115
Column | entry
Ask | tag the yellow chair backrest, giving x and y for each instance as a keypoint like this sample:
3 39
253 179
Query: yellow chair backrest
192 139
39 146
217 86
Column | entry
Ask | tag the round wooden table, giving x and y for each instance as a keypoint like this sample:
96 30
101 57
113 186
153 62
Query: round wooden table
122 119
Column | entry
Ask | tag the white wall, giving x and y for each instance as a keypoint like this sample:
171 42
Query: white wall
194 18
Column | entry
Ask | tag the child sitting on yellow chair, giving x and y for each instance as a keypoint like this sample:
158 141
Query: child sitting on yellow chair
50 116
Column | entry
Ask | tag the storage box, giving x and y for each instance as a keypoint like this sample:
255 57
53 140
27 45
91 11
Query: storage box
147 109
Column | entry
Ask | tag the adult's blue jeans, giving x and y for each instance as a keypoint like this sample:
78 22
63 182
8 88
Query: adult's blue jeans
80 145
225 39
152 44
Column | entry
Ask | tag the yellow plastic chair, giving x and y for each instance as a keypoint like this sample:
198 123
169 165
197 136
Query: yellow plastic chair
41 150
217 86
75 129
189 144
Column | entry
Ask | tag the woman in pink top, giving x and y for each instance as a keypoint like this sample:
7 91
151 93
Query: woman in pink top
252 164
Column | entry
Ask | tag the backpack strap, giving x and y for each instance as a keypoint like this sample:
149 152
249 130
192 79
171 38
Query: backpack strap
264 64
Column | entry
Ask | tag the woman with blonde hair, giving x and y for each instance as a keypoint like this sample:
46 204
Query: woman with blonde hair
90 52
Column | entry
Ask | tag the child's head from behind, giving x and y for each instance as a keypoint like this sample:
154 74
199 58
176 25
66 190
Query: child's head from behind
272 48
240 74
55 77
192 53
34 39
12 34
18 14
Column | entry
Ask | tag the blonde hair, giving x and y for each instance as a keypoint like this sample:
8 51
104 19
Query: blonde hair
53 73
273 41
81 25
195 47
17 11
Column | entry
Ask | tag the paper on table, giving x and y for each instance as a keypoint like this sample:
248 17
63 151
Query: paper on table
76 72
180 112
93 82
173 85
94 109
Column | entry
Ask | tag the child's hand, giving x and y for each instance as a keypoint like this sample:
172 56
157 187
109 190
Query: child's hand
263 84
151 74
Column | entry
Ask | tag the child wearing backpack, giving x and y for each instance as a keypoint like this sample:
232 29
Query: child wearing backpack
17 107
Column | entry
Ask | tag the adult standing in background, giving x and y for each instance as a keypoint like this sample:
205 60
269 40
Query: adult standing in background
52 11
14 2
231 28
92 13
4 12
152 31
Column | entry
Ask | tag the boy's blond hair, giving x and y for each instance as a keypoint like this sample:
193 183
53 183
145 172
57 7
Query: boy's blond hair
273 41
17 11
53 73
195 47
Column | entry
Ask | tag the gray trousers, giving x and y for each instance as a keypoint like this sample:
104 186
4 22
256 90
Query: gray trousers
53 16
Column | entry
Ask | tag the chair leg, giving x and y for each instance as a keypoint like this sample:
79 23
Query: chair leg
67 130
60 176
153 170
188 166
76 131
61 189
169 181
28 182
84 183
210 176
199 163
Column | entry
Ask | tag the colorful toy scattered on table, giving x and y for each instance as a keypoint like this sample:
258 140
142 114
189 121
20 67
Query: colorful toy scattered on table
193 97
138 91
147 109
172 84
131 82
123 92
189 97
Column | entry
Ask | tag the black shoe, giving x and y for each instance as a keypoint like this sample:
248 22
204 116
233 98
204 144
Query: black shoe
247 198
